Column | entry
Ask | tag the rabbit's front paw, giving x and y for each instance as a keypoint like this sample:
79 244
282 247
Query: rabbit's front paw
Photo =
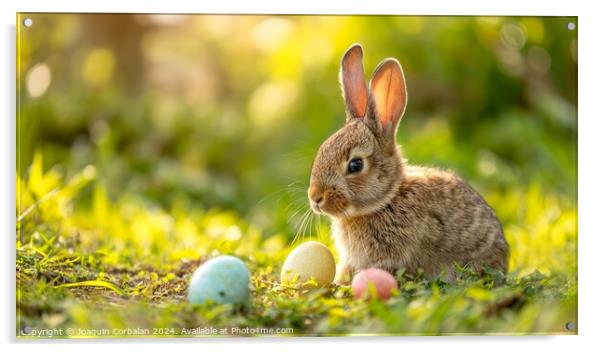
344 275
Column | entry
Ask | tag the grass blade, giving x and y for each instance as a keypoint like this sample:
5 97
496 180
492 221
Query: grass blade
96 283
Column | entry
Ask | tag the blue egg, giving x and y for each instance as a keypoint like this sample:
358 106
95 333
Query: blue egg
224 279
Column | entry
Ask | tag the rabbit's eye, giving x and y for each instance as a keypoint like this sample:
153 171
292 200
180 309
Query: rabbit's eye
355 165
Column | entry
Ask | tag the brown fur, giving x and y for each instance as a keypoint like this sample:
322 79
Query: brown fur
391 215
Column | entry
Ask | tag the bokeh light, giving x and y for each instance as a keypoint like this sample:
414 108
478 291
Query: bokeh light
38 80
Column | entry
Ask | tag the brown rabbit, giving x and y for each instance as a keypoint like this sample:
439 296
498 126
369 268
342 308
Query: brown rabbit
386 213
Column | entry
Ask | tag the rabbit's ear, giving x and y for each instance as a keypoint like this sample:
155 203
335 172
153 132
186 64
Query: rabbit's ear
388 94
353 84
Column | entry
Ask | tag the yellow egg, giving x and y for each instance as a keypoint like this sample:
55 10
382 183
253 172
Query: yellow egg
310 260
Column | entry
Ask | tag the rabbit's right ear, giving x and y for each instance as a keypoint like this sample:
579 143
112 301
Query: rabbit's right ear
353 84
388 96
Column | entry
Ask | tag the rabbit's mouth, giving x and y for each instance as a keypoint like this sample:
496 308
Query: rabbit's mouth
322 210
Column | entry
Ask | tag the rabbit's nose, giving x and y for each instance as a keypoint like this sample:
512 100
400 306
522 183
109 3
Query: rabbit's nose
316 195
318 200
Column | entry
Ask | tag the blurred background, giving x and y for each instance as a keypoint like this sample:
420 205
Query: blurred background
188 115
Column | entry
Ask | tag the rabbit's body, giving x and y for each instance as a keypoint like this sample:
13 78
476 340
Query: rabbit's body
386 213
433 220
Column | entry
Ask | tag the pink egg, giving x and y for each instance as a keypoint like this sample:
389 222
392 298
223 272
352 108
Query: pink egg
383 282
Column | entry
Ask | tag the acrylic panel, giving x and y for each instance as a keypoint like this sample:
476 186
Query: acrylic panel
246 175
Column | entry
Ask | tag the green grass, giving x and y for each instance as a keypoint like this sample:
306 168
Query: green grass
85 261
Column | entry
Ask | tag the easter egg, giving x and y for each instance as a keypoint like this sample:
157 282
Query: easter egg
382 281
310 260
224 279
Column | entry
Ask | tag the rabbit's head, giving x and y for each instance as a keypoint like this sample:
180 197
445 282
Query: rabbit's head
357 170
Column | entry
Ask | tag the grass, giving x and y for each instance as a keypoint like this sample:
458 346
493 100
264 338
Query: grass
100 267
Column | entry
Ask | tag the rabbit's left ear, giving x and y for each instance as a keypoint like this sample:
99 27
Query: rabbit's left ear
353 84
387 94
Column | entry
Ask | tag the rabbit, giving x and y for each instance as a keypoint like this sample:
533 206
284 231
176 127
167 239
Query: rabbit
384 212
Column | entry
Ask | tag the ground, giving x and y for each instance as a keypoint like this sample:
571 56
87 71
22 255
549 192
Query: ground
121 268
